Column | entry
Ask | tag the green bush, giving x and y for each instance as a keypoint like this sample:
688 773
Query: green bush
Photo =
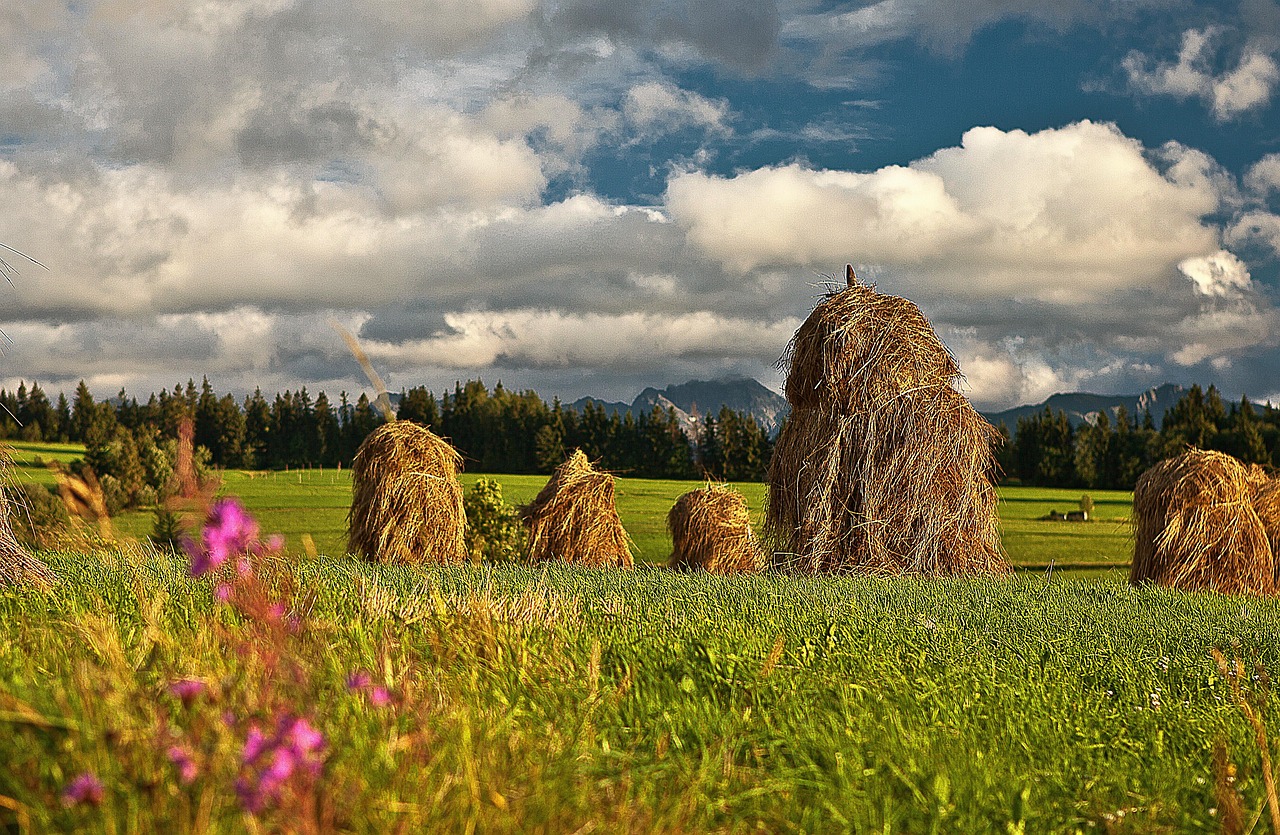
166 531
494 532
1086 504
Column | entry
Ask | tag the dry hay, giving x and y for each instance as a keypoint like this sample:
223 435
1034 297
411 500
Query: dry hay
1195 527
406 505
882 466
711 530
1266 503
575 518
17 567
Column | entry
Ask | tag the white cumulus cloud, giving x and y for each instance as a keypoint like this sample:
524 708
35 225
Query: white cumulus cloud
1246 86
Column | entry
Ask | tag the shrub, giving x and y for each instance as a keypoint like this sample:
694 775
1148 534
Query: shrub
114 495
166 530
494 532
1086 504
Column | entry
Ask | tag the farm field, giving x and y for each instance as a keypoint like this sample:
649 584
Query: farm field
562 699
315 502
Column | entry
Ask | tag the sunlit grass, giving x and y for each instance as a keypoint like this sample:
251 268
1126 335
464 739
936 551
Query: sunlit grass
315 502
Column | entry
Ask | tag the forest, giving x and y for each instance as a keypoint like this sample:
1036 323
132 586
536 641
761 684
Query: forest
132 442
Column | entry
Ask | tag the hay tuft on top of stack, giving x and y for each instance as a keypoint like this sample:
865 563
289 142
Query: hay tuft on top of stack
711 530
575 518
882 466
406 504
1196 526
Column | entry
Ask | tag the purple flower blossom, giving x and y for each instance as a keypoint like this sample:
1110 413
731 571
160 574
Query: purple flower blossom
187 769
361 681
255 742
230 532
295 748
83 788
187 689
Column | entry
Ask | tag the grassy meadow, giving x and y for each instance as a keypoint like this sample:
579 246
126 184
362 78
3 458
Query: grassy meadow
325 694
315 502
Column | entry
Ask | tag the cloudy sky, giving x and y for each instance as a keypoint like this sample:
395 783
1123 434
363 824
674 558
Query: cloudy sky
591 196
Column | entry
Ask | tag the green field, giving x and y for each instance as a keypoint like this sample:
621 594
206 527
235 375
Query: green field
315 502
562 699
576 700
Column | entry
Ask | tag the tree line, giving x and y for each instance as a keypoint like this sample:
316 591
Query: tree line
496 430
1111 451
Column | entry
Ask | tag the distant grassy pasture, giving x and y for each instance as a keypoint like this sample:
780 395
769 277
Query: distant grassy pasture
315 502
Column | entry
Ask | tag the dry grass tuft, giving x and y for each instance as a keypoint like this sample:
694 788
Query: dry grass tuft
882 466
575 518
1195 526
406 504
711 530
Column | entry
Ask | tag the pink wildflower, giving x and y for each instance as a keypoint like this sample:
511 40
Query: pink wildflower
83 788
358 681
230 532
295 748
187 769
187 689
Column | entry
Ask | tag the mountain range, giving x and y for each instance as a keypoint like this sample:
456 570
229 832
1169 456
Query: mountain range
1082 407
697 398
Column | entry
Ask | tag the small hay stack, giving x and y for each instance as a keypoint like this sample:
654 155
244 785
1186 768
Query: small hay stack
711 530
406 504
1195 527
17 567
882 466
575 518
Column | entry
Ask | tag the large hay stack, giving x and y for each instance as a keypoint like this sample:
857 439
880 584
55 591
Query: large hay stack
882 466
1265 491
1196 527
711 530
575 518
406 505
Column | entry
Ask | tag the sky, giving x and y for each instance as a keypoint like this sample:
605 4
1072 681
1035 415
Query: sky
588 197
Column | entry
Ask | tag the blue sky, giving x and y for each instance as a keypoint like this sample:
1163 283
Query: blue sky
589 197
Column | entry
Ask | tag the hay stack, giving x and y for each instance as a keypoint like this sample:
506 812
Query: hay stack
1195 526
1265 498
575 518
882 466
406 505
17 567
711 529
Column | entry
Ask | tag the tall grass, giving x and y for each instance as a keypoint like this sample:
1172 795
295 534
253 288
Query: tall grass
556 699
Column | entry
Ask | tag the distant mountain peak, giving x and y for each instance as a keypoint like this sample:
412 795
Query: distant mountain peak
1082 407
694 400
